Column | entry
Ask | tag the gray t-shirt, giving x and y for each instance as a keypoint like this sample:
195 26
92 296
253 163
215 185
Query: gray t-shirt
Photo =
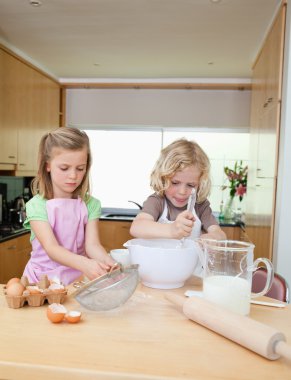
154 205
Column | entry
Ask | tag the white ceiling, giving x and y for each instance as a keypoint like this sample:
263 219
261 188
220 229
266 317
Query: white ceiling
138 38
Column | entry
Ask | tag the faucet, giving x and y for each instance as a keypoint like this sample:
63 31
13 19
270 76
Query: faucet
138 205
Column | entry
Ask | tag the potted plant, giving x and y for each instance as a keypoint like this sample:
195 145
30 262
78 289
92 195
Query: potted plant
237 185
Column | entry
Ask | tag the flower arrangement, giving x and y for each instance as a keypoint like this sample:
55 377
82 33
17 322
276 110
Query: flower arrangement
237 178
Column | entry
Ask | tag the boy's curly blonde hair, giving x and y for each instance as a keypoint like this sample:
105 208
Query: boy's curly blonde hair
65 138
177 156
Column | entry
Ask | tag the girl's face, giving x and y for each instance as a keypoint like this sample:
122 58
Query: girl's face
181 185
67 169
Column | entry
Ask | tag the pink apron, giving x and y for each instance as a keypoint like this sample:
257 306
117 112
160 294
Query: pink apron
68 218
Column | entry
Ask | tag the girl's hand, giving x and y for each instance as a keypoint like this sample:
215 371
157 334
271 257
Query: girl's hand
93 268
182 226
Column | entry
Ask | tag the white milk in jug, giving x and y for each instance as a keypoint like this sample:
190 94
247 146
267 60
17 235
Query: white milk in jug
232 293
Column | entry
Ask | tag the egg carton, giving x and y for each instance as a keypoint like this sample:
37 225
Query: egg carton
37 299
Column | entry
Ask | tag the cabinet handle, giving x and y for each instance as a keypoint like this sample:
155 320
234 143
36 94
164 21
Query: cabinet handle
12 247
270 100
11 156
21 164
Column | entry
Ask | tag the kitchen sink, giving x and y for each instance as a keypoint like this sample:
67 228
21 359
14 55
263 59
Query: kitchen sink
123 217
119 214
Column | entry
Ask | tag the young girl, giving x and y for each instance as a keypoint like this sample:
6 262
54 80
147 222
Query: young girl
181 167
62 217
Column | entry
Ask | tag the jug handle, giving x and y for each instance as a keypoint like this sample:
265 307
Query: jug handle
270 275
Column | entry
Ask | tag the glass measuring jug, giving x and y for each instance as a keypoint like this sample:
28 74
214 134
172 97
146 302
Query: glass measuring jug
228 269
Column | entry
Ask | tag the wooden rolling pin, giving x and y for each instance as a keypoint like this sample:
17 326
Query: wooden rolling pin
260 338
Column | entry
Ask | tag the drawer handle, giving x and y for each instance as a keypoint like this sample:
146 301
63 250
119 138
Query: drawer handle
12 247
11 156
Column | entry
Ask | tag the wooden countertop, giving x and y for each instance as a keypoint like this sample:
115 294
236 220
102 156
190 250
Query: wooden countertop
147 338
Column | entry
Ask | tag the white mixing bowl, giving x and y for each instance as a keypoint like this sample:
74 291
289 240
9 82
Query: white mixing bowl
163 263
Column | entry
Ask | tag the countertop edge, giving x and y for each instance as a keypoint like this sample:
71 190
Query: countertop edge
14 235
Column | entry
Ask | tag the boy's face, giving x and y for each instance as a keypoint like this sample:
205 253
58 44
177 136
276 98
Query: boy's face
67 169
181 185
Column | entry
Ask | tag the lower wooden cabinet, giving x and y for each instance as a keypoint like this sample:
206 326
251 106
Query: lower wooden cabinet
14 254
113 234
232 233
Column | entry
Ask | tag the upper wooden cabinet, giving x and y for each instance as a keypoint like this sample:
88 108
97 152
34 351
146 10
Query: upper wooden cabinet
264 139
30 107
266 99
8 130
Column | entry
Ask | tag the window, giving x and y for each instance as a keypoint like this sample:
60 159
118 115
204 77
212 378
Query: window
123 160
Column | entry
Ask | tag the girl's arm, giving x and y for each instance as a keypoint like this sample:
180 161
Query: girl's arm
144 226
44 233
214 232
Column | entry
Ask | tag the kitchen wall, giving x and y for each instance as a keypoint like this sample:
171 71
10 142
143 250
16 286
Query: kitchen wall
169 108
177 110
15 186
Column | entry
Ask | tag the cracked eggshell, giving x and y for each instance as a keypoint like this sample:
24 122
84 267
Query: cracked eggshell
34 289
73 316
56 288
56 312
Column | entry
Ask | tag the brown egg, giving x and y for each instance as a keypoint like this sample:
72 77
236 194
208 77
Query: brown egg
56 312
12 281
73 316
15 289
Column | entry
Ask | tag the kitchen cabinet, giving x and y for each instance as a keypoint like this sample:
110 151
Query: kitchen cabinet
267 83
264 138
8 131
232 233
113 234
14 254
42 116
30 107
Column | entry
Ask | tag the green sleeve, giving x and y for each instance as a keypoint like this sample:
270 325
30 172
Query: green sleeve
94 208
35 209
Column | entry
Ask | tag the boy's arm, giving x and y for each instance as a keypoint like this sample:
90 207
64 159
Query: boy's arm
214 232
144 226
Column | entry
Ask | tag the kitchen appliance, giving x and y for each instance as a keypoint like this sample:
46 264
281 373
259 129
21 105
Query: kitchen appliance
251 334
3 198
17 213
108 291
1 208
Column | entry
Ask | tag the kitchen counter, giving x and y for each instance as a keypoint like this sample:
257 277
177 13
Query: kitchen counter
13 234
147 338
129 214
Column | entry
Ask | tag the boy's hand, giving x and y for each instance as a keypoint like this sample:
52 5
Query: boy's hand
182 226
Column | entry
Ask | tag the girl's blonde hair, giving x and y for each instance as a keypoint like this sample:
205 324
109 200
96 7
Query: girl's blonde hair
64 138
177 156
